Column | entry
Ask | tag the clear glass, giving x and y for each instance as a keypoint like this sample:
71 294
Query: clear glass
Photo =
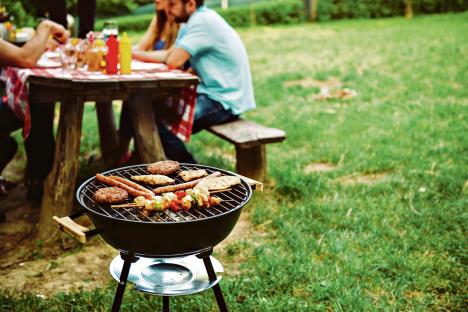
69 56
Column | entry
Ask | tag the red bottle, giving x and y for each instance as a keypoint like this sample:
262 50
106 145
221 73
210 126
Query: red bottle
112 57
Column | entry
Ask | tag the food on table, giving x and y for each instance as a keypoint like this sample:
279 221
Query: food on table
189 175
153 179
131 191
183 186
218 183
110 195
164 167
132 184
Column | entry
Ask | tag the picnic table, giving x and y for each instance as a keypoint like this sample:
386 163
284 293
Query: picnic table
72 89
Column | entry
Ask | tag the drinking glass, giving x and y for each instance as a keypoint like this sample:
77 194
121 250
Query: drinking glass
68 56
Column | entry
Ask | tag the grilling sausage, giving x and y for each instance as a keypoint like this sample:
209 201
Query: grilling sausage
183 186
132 184
111 182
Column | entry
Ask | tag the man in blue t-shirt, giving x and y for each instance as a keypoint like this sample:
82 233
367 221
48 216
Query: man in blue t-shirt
218 56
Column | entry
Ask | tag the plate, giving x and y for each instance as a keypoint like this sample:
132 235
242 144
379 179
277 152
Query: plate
141 66
168 276
24 34
46 63
51 55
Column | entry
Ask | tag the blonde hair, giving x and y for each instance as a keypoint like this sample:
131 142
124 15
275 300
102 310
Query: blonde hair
171 34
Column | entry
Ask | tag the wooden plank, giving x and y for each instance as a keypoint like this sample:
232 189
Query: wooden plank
146 133
245 134
59 189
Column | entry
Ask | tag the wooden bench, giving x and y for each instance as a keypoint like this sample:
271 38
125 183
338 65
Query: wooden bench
250 140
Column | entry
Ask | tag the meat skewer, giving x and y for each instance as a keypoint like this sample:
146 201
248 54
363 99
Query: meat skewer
111 182
183 186
132 184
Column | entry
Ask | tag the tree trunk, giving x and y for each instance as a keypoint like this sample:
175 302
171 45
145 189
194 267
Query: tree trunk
253 17
310 7
224 4
409 9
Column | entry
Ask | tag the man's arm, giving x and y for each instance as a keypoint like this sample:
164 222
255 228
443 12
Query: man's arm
29 54
177 57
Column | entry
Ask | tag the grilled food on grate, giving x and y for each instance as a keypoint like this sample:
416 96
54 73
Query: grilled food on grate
183 186
110 195
189 175
165 167
112 181
180 200
153 179
218 183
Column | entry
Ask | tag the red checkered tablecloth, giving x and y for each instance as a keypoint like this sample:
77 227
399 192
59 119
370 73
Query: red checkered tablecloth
181 105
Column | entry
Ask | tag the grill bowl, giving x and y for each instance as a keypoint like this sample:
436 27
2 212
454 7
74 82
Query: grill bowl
167 234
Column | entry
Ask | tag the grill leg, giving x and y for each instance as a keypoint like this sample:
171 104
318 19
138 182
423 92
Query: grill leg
128 259
165 304
216 288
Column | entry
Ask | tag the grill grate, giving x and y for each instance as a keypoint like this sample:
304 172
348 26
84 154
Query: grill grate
232 199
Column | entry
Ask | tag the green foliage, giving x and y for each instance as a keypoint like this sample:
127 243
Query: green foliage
339 9
129 22
109 7
292 11
21 11
265 13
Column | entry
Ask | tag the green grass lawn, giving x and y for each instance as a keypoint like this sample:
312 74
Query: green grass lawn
397 244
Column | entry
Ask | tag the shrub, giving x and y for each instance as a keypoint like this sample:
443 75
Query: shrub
127 23
21 11
338 9
266 13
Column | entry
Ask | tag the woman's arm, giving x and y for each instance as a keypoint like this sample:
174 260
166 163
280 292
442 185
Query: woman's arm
159 56
147 40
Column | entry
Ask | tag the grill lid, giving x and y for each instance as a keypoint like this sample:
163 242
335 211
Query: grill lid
233 199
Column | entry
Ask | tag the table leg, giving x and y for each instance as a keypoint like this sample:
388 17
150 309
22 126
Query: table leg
109 140
146 133
59 189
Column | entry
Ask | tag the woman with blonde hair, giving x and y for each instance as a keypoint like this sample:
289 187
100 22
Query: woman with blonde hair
152 47
159 37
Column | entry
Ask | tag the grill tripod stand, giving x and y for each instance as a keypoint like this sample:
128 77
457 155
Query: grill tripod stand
181 271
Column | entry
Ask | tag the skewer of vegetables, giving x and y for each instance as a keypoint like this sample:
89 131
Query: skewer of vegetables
178 200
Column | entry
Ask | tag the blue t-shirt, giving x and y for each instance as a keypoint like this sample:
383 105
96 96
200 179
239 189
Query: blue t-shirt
159 45
220 59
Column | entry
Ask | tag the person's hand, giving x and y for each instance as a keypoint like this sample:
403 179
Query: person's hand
52 44
55 30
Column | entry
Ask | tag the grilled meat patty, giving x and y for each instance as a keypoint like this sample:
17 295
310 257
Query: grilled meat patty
164 167
110 195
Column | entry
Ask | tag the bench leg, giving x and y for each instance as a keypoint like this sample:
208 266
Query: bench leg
252 162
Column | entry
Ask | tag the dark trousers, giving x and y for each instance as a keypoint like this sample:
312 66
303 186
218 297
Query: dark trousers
39 145
207 113
8 124
86 13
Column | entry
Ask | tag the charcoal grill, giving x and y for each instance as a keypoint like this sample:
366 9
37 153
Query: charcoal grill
166 235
